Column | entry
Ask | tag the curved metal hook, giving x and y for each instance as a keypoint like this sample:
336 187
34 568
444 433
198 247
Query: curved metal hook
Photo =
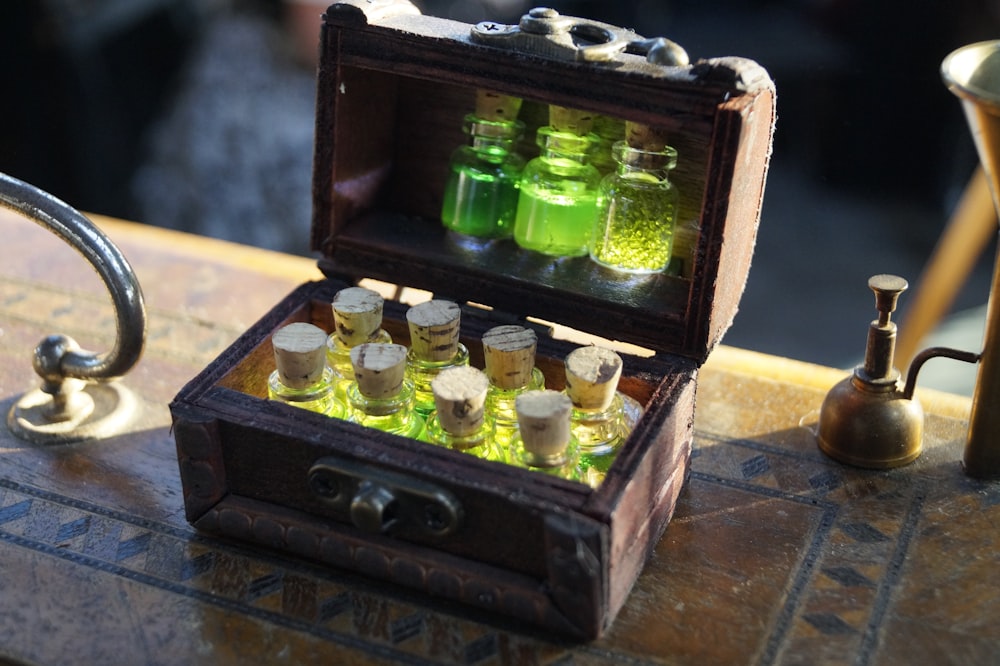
57 362
926 355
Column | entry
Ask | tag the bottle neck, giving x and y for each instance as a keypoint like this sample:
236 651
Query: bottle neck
655 163
493 137
539 461
492 146
564 145
401 402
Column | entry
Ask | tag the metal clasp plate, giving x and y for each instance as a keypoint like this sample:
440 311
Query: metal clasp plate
385 502
545 32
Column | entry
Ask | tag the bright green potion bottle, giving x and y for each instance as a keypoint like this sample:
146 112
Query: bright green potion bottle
380 396
545 442
460 421
602 417
480 197
557 205
357 319
509 353
638 206
434 346
302 377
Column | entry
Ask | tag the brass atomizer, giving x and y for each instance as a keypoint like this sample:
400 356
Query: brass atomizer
867 420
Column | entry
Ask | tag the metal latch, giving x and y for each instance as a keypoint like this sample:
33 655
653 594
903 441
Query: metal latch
545 32
383 502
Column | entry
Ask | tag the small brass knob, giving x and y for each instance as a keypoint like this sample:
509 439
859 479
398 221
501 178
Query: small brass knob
373 508
887 289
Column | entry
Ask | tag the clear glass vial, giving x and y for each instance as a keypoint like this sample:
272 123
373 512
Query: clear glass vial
435 327
634 232
380 396
357 319
460 421
545 442
301 377
509 354
557 204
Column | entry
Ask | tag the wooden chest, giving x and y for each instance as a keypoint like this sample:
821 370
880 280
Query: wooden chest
393 87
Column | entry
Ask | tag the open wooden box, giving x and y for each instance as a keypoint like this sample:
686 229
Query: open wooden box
393 87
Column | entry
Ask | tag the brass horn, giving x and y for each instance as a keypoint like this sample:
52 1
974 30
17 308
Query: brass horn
972 73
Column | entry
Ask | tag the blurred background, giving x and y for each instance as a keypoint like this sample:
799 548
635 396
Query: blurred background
197 115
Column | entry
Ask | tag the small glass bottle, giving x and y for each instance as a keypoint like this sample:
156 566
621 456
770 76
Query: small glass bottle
357 319
480 197
557 205
302 378
602 417
380 396
545 442
460 421
434 346
634 232
509 353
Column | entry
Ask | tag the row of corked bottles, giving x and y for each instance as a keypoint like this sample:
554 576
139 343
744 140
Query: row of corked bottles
599 186
428 391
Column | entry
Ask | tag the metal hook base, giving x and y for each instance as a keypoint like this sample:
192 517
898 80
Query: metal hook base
113 407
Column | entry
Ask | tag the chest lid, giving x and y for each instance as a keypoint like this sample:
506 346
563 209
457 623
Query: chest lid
394 88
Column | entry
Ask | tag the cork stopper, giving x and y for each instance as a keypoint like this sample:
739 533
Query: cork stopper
496 107
510 356
357 315
572 121
434 329
379 369
460 399
644 137
299 354
592 375
544 420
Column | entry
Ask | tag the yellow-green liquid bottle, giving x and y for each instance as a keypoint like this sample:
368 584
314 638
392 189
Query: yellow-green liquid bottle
602 417
509 354
460 421
435 327
380 396
357 319
545 442
634 232
301 377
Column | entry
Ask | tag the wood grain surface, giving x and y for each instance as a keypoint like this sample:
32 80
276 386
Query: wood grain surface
776 555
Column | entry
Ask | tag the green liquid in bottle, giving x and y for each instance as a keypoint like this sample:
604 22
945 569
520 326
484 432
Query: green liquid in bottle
319 397
480 197
481 203
479 443
557 206
393 415
555 223
601 434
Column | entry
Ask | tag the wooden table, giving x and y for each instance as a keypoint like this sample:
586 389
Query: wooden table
775 555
